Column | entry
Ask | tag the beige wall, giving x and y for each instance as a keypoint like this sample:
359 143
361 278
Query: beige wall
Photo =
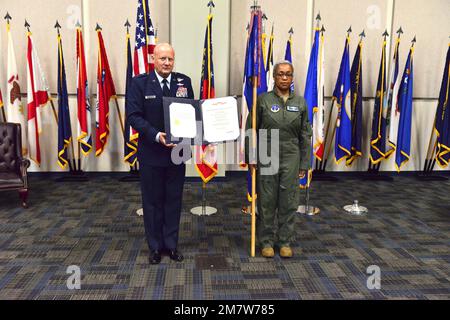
187 37
184 21
429 22
369 15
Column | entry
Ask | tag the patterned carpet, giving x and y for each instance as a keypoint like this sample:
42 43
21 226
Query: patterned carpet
93 225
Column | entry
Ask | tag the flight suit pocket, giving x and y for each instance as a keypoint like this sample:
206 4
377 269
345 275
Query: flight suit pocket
273 116
293 113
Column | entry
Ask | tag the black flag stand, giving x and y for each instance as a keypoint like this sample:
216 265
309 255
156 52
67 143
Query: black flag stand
133 174
373 171
74 173
427 173
319 172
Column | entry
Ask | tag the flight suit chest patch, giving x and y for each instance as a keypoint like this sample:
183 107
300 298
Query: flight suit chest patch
275 108
292 108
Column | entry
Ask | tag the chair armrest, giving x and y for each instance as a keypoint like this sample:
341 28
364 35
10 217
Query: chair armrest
24 165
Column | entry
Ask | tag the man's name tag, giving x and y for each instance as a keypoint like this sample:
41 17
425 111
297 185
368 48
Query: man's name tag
150 97
292 109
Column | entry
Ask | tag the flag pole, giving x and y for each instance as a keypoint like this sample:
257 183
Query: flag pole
205 210
7 18
324 160
375 167
306 208
254 143
433 157
3 113
430 157
319 162
78 25
127 25
53 109
327 153
253 169
119 113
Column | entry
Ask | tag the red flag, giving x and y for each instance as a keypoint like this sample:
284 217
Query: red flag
105 91
84 107
206 157
38 97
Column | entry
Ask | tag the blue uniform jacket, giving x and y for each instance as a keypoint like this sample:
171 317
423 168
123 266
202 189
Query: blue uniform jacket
145 114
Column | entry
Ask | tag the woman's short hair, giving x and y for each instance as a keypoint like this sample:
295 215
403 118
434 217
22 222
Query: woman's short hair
279 63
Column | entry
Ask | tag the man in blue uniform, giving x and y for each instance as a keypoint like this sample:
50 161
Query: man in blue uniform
161 180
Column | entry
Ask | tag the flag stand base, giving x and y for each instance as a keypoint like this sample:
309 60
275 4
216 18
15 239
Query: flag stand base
74 176
373 176
203 211
430 177
355 209
308 210
322 175
133 176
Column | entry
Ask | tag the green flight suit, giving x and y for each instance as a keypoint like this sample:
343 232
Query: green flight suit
278 194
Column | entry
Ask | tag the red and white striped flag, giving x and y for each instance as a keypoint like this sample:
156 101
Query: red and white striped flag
145 40
38 97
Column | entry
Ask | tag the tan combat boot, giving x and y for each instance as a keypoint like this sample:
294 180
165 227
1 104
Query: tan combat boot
268 252
286 252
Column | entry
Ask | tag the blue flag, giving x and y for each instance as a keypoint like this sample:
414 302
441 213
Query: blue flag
405 96
254 69
311 97
311 88
442 126
269 63
393 115
356 80
341 94
131 137
64 129
378 137
288 57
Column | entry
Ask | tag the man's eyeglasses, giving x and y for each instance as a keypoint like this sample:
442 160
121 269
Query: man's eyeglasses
164 59
282 75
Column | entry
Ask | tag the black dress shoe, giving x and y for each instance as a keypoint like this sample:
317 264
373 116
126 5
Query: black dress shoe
176 256
155 257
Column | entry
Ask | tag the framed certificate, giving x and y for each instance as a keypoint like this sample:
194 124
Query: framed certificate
220 119
183 121
200 122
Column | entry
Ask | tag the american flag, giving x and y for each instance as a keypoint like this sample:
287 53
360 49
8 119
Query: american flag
145 39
